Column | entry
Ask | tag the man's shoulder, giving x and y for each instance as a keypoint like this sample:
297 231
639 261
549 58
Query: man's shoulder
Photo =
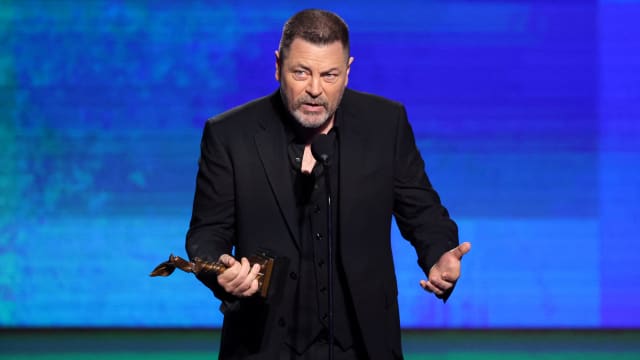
370 106
360 102
247 110
355 96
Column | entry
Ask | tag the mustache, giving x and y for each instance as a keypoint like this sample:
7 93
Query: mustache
308 100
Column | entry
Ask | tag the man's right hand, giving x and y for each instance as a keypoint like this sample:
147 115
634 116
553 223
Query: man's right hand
240 278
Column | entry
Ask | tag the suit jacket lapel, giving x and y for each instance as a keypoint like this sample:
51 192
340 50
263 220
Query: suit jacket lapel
271 145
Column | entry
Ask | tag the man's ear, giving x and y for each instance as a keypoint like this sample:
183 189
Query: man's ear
277 53
348 70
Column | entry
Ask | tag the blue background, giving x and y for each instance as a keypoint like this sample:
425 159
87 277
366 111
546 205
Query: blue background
526 113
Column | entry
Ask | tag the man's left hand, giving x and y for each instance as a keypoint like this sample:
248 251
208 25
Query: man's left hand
444 274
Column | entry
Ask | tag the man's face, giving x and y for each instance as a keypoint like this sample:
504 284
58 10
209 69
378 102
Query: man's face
312 80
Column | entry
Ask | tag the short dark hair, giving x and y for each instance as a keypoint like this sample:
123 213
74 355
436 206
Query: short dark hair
316 26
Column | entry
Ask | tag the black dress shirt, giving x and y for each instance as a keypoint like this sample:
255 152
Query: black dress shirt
312 298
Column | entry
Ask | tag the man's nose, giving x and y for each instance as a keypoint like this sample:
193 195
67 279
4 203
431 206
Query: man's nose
314 87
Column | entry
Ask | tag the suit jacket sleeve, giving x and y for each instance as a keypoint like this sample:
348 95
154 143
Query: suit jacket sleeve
419 213
212 227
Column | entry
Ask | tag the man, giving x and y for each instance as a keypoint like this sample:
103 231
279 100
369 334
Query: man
259 187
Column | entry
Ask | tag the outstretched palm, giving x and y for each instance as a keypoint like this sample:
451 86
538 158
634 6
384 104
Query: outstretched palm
444 274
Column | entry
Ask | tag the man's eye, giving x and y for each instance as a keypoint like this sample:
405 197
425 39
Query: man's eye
331 77
299 73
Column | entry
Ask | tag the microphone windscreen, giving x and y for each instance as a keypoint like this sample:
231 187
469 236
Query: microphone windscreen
322 148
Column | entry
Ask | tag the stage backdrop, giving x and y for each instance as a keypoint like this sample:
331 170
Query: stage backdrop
526 113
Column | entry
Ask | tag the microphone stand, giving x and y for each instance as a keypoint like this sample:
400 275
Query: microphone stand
322 149
327 180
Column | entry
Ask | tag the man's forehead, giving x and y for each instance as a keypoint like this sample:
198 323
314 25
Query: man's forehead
301 51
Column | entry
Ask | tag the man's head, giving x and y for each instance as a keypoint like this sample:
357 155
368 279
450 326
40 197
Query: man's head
318 27
312 66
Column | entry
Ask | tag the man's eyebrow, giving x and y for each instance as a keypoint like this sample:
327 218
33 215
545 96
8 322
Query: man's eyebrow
304 67
300 66
333 69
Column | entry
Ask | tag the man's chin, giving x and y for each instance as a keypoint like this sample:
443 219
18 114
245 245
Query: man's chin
311 122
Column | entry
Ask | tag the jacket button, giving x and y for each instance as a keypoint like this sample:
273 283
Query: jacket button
318 236
293 276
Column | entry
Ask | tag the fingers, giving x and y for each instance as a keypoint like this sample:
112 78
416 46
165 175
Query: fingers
430 287
436 286
246 288
253 283
446 272
227 260
237 285
439 282
461 249
240 278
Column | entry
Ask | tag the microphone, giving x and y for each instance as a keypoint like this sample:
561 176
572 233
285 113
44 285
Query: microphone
322 149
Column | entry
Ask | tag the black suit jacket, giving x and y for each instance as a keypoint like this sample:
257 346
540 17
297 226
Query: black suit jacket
244 200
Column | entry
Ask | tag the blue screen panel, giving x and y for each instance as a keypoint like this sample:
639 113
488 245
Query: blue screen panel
526 114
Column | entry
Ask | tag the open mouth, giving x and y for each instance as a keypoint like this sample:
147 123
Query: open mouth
312 107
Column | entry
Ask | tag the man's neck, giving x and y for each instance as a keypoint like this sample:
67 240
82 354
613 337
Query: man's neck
306 135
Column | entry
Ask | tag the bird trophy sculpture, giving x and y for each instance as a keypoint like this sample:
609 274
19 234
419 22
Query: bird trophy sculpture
198 266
